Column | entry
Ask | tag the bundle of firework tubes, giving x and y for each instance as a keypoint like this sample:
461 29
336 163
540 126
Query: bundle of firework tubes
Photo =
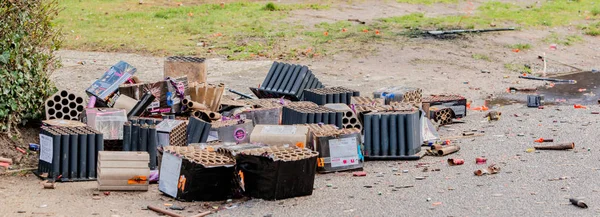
199 143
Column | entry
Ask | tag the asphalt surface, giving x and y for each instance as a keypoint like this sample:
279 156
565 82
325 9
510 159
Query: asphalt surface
539 183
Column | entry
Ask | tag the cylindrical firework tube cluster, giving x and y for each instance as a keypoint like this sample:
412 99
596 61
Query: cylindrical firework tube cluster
324 96
311 115
391 135
197 130
289 81
69 152
142 137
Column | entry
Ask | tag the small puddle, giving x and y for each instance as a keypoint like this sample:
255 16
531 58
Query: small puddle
586 92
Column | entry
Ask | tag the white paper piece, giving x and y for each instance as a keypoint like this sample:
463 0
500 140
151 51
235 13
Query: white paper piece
213 135
428 132
279 130
170 169
46 148
344 151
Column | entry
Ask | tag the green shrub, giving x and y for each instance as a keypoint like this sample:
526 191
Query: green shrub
28 39
270 7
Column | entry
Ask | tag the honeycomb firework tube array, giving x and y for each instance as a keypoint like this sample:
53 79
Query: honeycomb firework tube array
280 153
349 119
198 155
363 100
64 105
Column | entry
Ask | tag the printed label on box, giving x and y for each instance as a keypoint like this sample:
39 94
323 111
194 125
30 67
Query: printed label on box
169 174
343 152
46 148
155 104
279 130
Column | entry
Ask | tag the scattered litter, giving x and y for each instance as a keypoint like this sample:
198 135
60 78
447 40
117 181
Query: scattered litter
461 31
492 169
559 178
34 147
548 79
578 203
561 146
49 185
493 115
542 140
360 173
480 160
419 178
163 211
357 20
455 161
175 207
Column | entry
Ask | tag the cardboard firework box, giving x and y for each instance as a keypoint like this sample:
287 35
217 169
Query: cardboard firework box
105 88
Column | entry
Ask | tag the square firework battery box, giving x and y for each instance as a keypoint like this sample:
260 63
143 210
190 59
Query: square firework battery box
275 172
191 173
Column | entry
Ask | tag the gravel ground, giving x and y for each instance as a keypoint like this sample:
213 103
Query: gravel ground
522 188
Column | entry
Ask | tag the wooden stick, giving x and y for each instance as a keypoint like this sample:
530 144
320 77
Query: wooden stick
461 137
202 214
17 171
163 211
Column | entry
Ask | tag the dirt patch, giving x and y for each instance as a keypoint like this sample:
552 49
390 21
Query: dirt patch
369 11
8 148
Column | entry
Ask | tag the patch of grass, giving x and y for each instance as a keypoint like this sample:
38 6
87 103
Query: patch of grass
481 57
426 2
547 14
595 11
592 29
345 35
288 7
520 46
238 30
566 40
517 68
